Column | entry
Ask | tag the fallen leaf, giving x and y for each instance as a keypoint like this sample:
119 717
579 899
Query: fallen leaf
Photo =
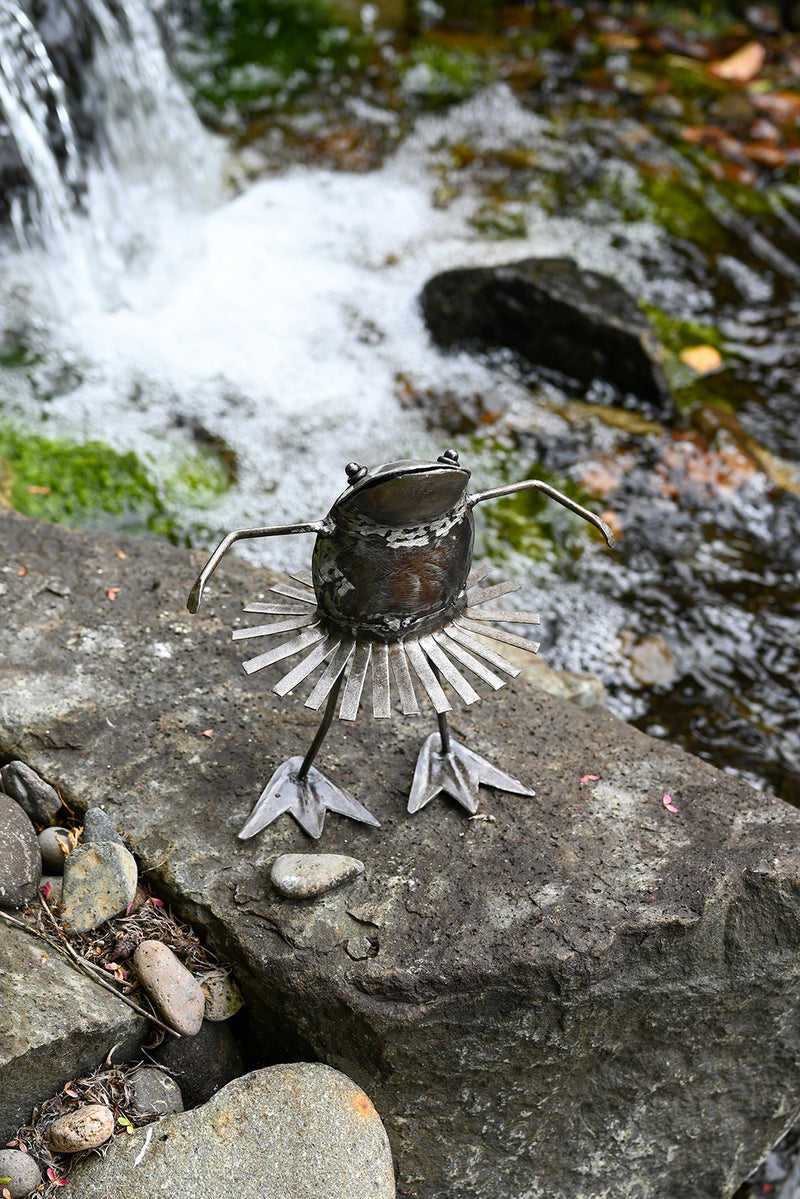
34 489
23 570
207 733
703 359
741 66
121 554
668 804
113 592
590 778
46 889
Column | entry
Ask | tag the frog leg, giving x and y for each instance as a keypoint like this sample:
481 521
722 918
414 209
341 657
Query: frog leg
446 766
297 787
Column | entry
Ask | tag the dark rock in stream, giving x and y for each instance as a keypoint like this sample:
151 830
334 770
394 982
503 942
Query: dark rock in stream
583 993
555 315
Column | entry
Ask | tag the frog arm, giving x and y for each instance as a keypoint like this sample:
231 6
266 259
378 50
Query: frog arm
535 484
196 594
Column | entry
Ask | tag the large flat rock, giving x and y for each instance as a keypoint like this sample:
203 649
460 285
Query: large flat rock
56 1024
578 995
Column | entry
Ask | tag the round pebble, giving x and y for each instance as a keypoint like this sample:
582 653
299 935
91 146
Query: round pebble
223 998
21 1171
85 1128
306 875
174 990
54 845
155 1093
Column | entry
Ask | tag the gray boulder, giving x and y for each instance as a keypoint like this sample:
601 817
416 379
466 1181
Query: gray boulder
556 315
20 858
57 1024
577 994
299 1131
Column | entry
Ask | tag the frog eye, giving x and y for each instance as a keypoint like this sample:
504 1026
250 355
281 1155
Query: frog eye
355 471
448 458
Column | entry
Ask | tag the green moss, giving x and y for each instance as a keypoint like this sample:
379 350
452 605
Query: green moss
438 73
675 335
251 50
199 480
498 221
86 485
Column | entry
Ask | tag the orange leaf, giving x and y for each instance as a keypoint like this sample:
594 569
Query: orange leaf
742 66
703 359
113 592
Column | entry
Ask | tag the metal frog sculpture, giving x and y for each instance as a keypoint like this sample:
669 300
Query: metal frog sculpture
392 594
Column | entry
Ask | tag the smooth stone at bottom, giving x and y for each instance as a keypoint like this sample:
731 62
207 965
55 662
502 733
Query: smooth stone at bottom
21 1170
297 1131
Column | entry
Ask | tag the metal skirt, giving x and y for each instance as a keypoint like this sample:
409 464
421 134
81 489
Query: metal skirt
394 670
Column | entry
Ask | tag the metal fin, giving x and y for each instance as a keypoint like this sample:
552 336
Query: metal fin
279 626
305 577
509 616
296 593
472 626
381 692
433 687
477 573
402 677
487 593
276 608
354 686
302 641
453 647
332 671
438 658
477 647
303 669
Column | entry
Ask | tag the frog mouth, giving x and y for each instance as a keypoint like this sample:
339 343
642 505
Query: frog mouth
399 672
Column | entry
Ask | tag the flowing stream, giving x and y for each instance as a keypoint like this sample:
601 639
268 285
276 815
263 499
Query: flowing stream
161 309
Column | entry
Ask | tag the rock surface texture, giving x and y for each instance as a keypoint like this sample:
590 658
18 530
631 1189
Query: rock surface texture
582 994
300 1131
52 1015
20 857
555 315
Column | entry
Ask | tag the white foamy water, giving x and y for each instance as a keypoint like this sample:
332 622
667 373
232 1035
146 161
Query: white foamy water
278 320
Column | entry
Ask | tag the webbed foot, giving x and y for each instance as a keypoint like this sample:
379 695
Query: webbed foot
307 799
459 772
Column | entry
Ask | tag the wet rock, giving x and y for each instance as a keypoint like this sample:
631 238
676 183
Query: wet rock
203 1064
173 989
20 860
306 875
223 997
56 1024
155 1093
85 1128
98 827
555 976
32 793
99 882
21 1170
54 845
555 315
301 1131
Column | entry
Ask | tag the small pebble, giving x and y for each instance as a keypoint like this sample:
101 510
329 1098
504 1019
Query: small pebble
223 998
155 1093
98 826
174 990
54 844
99 882
20 859
32 793
306 875
21 1171
85 1128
